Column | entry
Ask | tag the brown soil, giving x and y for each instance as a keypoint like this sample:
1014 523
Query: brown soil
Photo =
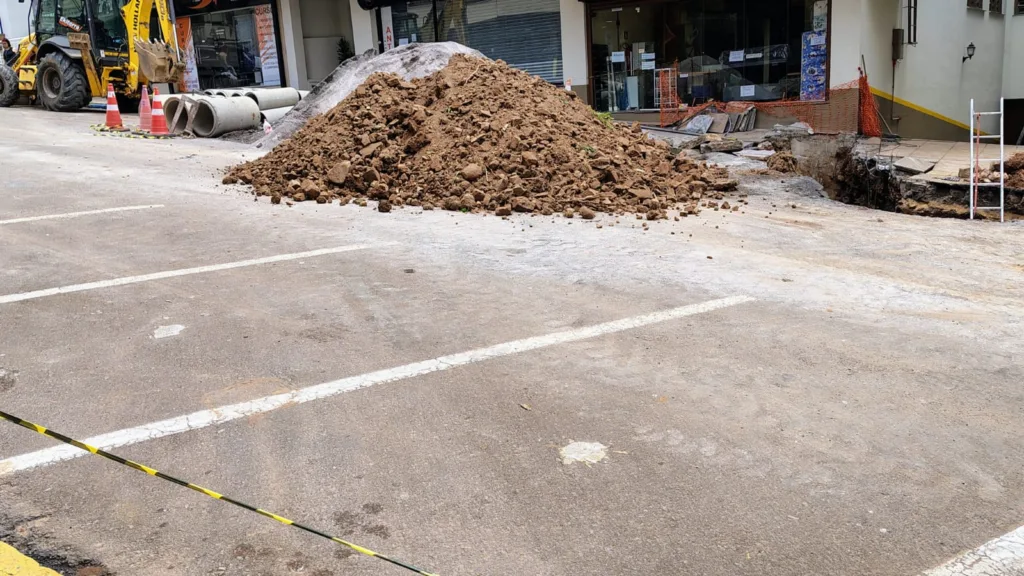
1014 163
1015 180
783 162
479 135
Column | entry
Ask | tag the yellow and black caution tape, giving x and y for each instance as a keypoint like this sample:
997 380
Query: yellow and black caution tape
102 130
210 493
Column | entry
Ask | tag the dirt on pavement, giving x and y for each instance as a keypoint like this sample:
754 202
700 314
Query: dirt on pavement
479 136
783 162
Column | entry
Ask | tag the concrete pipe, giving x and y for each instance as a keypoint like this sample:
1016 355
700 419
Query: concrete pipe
171 107
271 98
234 93
222 115
303 94
275 114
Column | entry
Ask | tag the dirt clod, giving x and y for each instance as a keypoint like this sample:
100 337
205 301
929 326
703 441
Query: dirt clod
783 162
479 136
472 172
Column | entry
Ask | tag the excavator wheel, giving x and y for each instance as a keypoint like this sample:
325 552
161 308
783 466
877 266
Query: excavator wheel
8 86
61 83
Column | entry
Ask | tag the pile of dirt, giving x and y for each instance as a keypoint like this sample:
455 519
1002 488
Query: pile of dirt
479 135
1014 166
408 61
783 162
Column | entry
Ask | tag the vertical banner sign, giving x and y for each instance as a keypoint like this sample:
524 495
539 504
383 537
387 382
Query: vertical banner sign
813 60
389 32
268 45
190 79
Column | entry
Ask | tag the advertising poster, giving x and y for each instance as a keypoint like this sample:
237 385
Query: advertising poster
813 59
820 21
268 46
190 79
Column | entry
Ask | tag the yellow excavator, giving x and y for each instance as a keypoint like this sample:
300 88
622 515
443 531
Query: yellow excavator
77 47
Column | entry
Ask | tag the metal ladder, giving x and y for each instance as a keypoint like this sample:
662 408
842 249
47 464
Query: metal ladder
975 142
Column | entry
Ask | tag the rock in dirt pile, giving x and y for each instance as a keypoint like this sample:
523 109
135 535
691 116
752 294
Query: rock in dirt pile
478 135
1014 166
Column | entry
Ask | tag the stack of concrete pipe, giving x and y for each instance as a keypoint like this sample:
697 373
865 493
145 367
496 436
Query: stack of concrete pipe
221 111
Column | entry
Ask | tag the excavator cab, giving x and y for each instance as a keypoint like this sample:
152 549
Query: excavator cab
79 47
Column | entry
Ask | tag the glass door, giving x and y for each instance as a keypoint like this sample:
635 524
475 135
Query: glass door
624 56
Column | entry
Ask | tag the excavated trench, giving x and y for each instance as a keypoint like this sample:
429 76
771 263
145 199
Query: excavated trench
863 180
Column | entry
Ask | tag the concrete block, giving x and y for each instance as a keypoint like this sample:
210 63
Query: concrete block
756 154
914 165
725 145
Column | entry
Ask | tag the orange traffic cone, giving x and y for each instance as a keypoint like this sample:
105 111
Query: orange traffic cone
145 111
113 114
159 122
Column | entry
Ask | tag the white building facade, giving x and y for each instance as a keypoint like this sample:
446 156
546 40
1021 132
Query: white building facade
612 52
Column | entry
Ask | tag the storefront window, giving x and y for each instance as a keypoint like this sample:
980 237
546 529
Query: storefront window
229 48
526 34
755 50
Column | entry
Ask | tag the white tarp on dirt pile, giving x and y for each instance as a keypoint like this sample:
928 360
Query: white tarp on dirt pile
409 61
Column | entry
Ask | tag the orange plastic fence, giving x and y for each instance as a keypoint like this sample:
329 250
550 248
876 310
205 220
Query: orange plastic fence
848 107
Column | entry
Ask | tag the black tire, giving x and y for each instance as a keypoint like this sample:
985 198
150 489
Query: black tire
127 104
61 83
8 86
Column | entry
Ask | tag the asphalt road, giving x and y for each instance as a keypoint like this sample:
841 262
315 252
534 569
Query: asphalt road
860 414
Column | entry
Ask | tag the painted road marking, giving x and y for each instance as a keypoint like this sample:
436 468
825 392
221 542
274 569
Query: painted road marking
205 418
7 299
1003 556
14 563
77 214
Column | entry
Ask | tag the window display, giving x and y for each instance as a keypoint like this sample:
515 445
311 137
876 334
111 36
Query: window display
726 50
232 48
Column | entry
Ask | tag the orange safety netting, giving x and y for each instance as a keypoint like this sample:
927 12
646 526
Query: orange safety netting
848 107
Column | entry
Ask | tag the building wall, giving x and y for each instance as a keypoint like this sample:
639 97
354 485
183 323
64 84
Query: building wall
933 76
879 18
1013 53
933 86
289 16
574 43
325 22
14 18
845 43
363 35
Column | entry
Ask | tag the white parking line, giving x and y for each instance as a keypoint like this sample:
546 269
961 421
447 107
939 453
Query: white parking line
1003 556
7 299
205 418
77 214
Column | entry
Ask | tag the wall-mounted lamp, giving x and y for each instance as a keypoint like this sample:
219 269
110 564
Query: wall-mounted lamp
970 52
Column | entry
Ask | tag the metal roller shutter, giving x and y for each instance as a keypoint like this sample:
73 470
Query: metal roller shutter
527 34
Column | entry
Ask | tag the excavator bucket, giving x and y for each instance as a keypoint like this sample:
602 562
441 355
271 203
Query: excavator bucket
158 62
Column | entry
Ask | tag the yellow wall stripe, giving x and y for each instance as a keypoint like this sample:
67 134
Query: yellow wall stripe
912 106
